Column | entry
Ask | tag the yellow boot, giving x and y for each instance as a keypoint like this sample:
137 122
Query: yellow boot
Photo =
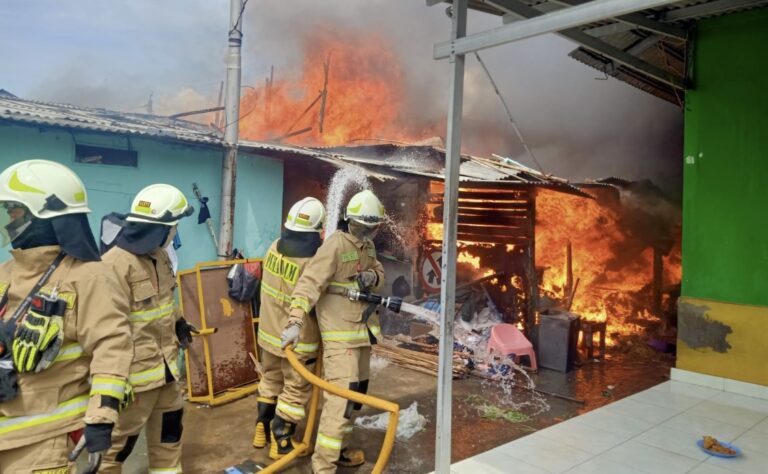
351 457
282 438
266 409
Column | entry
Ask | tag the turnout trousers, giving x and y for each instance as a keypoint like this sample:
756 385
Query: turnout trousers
160 409
45 457
279 381
347 368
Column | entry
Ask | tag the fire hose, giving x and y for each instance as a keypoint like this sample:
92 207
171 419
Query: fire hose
393 303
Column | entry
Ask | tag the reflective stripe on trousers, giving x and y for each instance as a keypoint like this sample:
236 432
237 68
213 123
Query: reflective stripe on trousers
350 336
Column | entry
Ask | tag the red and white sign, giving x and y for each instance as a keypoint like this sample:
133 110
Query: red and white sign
430 272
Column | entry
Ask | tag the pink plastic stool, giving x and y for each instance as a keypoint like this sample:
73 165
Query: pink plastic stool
507 339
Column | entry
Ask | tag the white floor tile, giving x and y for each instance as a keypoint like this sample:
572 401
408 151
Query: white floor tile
696 378
749 463
673 440
733 415
583 437
744 388
544 453
691 390
649 459
742 401
669 398
603 466
762 427
699 426
642 411
493 462
707 468
753 442
616 423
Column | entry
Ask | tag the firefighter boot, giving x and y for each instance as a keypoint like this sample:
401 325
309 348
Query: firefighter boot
282 441
266 414
351 457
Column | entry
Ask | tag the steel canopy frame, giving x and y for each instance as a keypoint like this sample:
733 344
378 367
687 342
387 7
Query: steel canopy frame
455 51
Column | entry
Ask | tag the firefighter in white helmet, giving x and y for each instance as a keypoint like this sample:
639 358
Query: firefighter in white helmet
146 277
283 393
65 341
346 259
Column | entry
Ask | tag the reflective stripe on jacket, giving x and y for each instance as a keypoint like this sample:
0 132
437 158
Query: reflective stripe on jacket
279 276
96 346
341 257
150 283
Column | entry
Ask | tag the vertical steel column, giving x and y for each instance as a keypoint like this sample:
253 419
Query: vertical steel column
232 117
448 279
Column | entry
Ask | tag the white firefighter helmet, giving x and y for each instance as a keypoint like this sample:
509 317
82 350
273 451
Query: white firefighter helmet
159 204
48 189
365 208
306 215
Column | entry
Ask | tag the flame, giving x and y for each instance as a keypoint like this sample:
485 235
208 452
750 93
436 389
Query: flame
610 278
364 98
466 257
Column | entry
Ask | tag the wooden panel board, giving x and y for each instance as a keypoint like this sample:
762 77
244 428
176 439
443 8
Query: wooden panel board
492 239
497 219
497 231
195 355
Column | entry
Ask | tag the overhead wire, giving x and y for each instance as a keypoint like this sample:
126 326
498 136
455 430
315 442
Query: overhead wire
509 114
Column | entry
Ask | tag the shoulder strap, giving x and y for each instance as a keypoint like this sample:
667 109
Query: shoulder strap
42 281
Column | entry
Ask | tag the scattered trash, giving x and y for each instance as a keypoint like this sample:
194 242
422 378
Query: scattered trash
493 412
409 423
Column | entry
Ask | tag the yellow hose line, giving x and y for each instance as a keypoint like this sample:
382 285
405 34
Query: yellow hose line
319 383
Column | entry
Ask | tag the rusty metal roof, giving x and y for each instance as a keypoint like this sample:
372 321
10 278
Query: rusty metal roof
646 49
23 111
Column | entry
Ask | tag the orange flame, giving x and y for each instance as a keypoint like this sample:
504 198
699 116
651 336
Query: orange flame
364 98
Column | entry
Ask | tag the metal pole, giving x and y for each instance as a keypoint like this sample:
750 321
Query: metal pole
448 264
232 114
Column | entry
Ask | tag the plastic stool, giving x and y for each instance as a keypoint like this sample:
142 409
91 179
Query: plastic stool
506 339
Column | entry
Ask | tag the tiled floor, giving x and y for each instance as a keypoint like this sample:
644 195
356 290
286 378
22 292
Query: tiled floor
653 431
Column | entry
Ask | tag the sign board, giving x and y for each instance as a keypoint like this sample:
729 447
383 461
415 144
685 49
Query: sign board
429 270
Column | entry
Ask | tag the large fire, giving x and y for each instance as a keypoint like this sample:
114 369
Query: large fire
364 96
612 266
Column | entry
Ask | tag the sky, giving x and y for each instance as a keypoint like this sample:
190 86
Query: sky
115 54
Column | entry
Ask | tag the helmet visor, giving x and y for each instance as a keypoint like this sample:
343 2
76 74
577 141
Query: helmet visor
363 231
15 218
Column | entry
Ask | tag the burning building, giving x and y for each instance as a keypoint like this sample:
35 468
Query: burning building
607 250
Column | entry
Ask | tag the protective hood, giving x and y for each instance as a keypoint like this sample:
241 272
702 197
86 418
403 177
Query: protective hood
141 239
111 225
76 237
299 244
29 233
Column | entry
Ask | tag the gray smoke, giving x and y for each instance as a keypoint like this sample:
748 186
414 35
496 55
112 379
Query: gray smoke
115 54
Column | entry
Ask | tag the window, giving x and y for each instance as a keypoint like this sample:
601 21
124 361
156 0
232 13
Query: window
105 156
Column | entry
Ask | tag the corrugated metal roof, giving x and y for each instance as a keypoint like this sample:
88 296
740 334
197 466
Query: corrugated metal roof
14 109
646 49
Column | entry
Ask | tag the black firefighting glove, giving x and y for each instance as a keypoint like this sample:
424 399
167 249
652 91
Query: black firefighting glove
98 437
184 332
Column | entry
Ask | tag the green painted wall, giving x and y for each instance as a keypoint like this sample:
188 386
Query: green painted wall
725 197
258 210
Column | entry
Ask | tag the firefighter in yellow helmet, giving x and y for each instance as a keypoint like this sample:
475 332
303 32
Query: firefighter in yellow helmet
146 277
283 393
64 338
346 259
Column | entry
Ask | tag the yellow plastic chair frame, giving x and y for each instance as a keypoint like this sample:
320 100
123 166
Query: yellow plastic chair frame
318 384
203 332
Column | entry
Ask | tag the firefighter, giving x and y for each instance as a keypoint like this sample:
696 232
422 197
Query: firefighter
66 343
146 277
346 259
281 389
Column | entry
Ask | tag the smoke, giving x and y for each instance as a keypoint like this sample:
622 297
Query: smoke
577 126
116 54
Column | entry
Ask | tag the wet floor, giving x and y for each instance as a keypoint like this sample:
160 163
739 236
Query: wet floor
216 438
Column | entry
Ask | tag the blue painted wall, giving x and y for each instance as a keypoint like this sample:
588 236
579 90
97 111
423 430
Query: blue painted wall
258 210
